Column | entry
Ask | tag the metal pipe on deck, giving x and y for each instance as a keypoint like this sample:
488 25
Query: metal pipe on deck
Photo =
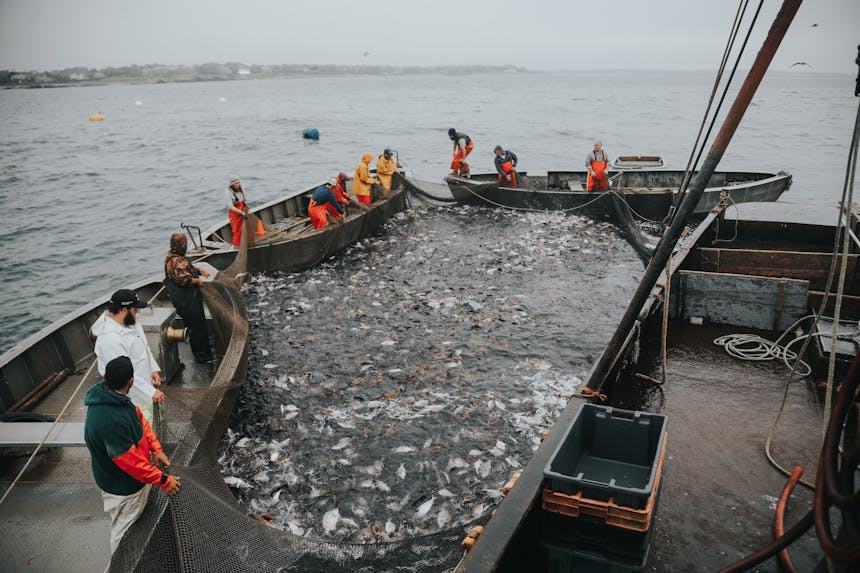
673 232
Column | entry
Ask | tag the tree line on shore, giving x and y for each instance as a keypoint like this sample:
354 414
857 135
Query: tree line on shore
159 73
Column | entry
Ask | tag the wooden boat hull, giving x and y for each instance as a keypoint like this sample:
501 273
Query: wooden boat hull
649 193
300 249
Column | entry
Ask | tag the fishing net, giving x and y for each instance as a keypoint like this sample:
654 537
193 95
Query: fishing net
203 528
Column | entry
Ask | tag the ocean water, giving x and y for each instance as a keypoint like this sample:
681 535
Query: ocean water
89 206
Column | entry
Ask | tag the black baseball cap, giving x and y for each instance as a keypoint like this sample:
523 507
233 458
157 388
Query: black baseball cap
127 298
118 372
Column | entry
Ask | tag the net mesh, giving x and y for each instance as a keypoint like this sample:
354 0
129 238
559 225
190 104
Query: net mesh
203 528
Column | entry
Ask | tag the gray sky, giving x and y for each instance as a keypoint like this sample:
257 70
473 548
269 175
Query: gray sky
542 34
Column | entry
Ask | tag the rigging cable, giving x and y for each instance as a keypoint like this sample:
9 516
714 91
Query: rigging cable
687 176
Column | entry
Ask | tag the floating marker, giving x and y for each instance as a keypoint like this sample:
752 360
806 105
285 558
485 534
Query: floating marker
311 133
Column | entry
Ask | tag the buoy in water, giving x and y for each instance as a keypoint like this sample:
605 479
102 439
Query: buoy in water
138 103
222 99
311 133
97 117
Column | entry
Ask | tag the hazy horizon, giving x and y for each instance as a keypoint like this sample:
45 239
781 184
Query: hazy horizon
551 35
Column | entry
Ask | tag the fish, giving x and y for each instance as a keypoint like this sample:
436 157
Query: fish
237 483
330 519
295 528
341 444
349 522
456 463
424 508
482 468
401 472
403 450
375 469
443 518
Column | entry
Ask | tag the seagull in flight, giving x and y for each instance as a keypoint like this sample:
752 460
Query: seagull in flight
799 64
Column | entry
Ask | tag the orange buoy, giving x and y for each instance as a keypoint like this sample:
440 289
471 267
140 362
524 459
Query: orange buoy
97 117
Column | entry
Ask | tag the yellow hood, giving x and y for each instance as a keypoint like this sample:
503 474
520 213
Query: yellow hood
367 157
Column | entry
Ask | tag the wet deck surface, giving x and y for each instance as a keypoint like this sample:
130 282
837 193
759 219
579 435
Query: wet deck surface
53 520
719 492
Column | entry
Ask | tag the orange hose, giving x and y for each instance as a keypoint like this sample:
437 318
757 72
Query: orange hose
779 515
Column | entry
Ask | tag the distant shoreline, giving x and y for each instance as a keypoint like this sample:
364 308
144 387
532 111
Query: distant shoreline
160 74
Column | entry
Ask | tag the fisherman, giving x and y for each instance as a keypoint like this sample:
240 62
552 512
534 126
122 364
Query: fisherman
386 166
597 163
182 280
339 190
324 204
238 209
119 334
342 196
506 163
463 146
362 183
120 441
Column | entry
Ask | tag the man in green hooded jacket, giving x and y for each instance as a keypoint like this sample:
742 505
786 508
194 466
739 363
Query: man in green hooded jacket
121 442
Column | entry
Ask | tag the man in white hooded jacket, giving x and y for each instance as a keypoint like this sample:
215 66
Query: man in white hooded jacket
119 334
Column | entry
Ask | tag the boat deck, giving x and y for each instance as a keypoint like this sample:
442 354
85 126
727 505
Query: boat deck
719 491
53 520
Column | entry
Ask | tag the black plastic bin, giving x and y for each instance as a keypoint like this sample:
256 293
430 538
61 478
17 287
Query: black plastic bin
608 453
563 560
626 547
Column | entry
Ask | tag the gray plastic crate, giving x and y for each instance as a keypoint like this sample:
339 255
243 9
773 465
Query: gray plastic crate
608 453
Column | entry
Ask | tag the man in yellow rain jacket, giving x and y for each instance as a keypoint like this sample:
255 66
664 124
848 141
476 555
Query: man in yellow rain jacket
385 168
362 181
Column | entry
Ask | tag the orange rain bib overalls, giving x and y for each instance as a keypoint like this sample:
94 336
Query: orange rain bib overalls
599 181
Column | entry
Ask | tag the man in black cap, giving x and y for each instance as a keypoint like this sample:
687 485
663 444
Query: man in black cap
120 441
118 333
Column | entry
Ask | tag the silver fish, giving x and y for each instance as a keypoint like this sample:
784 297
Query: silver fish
425 508
330 519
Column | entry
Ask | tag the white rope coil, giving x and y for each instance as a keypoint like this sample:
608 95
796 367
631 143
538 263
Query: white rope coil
755 348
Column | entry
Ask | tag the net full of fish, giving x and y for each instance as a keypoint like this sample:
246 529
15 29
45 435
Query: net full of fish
394 389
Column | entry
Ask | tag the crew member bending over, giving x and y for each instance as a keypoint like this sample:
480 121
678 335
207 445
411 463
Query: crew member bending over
324 204
597 163
386 166
506 163
362 182
339 190
463 146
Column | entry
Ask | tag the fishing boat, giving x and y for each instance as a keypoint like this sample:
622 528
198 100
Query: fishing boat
648 192
290 243
43 380
760 269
